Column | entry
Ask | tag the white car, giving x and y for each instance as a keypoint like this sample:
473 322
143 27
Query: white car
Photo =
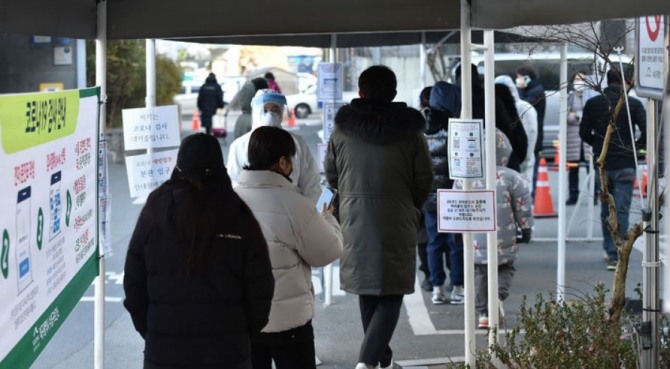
187 99
305 103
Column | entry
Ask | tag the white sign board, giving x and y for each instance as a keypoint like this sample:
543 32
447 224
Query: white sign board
466 211
148 171
330 81
322 149
49 217
329 111
465 149
651 56
152 127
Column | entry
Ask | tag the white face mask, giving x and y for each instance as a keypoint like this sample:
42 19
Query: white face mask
271 119
578 85
521 82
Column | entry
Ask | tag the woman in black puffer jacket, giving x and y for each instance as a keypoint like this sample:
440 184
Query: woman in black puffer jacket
198 279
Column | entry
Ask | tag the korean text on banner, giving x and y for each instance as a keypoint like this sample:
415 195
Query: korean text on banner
148 171
49 225
330 81
466 211
466 160
151 127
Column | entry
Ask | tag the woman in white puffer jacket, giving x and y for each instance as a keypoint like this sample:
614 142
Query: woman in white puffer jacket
298 238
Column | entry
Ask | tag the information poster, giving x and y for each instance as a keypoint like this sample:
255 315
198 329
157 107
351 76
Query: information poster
148 171
329 111
466 211
152 127
330 81
465 149
48 194
651 56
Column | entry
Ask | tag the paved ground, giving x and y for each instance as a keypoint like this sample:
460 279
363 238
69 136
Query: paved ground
427 335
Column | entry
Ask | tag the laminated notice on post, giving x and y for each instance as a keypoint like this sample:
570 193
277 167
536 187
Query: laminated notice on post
465 149
466 211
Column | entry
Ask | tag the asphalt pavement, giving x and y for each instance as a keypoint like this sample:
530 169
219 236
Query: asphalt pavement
427 335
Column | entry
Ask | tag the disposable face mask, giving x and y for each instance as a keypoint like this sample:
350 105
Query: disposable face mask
578 85
271 119
522 82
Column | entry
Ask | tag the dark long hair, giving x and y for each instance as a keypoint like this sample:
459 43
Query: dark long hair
208 202
267 145
504 97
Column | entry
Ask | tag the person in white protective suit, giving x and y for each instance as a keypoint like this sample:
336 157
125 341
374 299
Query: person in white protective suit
267 109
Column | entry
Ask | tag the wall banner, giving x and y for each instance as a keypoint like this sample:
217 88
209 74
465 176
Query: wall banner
49 222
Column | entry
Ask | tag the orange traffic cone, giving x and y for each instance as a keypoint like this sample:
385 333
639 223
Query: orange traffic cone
195 123
543 206
291 118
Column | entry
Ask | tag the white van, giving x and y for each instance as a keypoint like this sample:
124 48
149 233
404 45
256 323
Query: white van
547 66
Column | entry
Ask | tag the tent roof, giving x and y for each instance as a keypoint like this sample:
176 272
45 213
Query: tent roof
129 19
359 39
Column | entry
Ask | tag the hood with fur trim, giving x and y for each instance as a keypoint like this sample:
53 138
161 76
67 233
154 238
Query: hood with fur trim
379 122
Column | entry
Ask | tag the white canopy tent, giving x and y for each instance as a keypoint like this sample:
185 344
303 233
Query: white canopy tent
149 19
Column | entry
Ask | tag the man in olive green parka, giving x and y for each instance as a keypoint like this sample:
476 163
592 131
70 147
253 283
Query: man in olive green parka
378 160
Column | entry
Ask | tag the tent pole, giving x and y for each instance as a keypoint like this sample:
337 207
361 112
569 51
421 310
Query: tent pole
150 99
99 282
150 66
328 269
422 59
562 174
468 249
491 171
650 262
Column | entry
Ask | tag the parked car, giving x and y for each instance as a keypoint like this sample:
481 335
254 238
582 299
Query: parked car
187 99
305 103
547 65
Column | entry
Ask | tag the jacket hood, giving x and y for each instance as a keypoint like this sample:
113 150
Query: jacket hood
503 149
445 96
211 78
507 81
378 121
264 179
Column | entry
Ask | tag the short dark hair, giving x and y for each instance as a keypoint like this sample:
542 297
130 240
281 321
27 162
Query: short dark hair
269 75
424 96
378 82
526 70
613 77
267 145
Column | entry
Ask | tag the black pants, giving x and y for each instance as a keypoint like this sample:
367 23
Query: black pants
206 122
379 315
290 349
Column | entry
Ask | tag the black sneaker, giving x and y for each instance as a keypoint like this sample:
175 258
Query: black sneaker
426 286
571 202
611 264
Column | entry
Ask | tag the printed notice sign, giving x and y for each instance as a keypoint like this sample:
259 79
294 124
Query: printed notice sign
329 111
465 149
466 211
651 56
330 81
148 171
151 127
49 218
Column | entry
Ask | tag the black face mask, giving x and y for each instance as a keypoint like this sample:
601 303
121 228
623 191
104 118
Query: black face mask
437 120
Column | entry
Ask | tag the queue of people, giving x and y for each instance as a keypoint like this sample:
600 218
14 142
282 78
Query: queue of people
218 269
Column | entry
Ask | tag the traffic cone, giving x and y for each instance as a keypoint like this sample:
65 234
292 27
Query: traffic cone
291 118
543 206
195 123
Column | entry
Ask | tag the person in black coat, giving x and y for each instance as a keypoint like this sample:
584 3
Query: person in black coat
619 163
532 92
198 279
512 128
210 98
